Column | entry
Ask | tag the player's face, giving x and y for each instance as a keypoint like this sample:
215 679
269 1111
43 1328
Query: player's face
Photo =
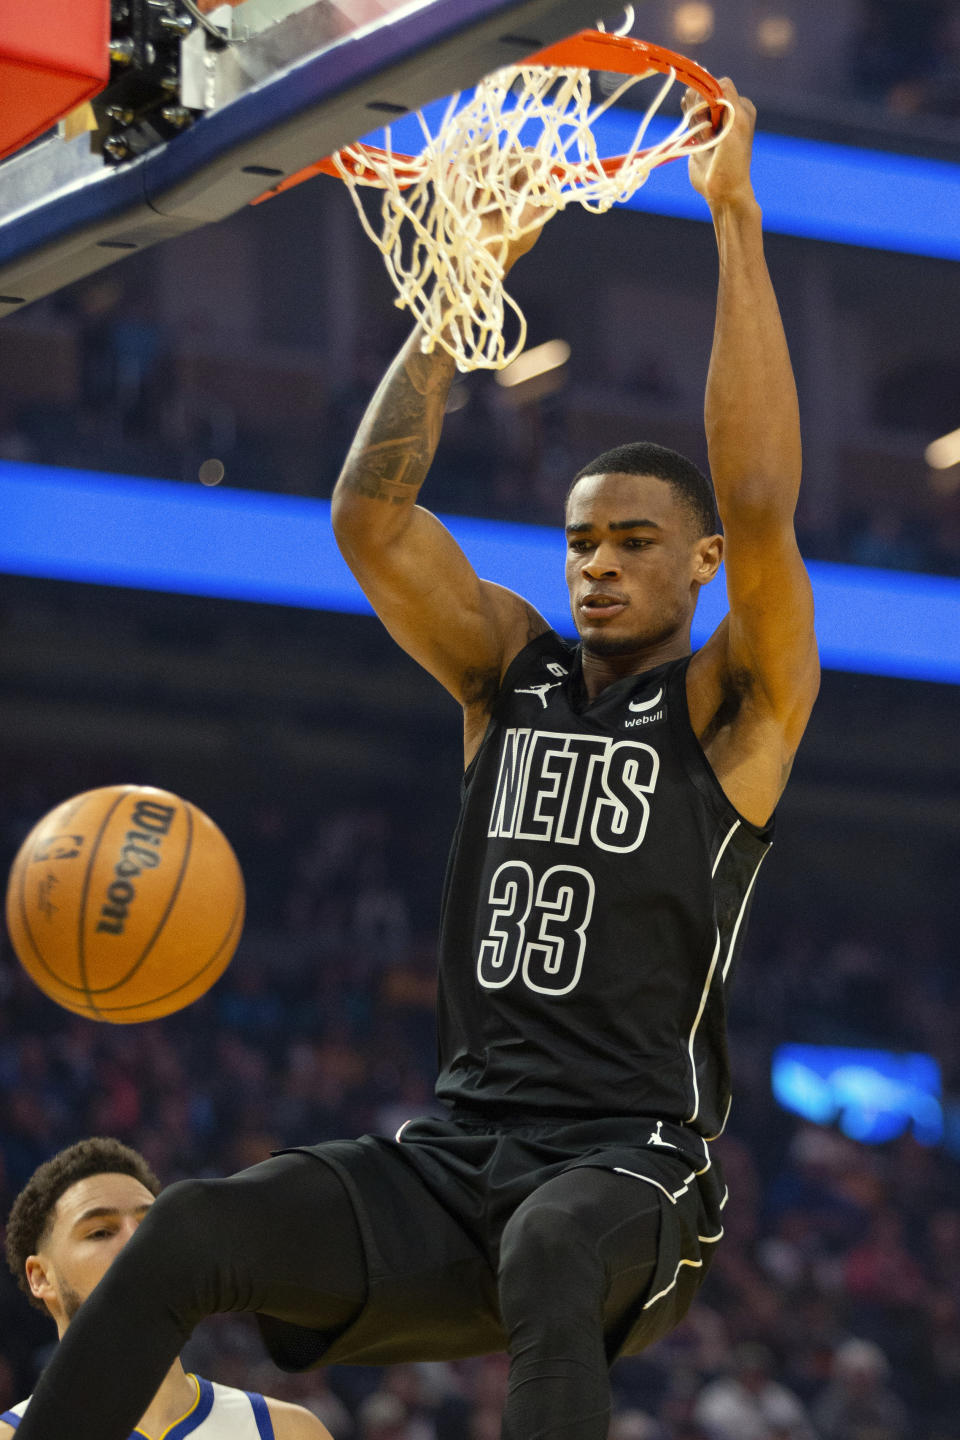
634 562
92 1222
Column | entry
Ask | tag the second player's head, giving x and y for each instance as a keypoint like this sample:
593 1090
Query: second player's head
642 537
73 1216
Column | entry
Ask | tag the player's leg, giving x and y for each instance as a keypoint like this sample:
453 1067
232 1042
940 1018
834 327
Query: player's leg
576 1261
281 1238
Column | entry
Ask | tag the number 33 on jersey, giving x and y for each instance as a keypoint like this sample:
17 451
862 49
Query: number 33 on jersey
598 885
558 789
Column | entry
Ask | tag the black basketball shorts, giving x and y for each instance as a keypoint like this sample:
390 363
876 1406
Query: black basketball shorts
432 1205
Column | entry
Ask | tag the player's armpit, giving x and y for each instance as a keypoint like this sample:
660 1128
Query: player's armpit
463 630
770 633
292 1422
752 686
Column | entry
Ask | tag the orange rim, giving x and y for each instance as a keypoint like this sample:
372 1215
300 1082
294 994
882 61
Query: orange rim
589 50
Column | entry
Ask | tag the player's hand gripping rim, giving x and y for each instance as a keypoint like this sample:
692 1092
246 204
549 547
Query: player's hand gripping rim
527 217
722 175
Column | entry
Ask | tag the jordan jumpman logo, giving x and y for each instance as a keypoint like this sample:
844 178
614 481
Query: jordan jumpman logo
657 1139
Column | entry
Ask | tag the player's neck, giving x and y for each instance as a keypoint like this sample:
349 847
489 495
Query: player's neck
599 671
175 1398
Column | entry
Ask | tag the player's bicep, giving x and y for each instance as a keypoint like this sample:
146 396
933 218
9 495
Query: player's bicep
462 629
769 635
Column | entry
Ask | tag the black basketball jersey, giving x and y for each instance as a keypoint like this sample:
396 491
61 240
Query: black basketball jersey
595 902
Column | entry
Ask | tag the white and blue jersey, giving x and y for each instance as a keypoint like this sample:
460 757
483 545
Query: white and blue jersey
218 1413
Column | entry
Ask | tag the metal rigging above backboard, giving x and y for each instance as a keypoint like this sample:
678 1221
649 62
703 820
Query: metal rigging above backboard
260 90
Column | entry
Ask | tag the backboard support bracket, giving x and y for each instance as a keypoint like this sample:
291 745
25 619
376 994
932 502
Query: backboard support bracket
278 101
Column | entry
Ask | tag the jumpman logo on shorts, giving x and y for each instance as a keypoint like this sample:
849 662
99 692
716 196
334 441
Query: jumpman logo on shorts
657 1139
540 691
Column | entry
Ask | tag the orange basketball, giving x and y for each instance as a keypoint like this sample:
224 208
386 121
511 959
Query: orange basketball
125 903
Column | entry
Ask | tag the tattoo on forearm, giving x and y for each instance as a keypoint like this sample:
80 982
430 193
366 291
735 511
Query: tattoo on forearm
391 455
387 469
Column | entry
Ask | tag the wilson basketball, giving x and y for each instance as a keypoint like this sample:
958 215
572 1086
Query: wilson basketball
125 904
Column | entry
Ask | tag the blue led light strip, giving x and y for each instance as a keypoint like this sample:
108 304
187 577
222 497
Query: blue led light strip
830 192
247 545
843 193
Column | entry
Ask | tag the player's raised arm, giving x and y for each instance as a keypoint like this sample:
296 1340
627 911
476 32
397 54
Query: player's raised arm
761 666
462 629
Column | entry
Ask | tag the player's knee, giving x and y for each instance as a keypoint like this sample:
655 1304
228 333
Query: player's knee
545 1248
551 1287
187 1249
184 1223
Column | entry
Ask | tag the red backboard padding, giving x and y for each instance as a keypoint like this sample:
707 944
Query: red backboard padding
53 56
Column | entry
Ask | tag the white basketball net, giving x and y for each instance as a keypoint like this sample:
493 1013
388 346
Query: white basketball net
478 186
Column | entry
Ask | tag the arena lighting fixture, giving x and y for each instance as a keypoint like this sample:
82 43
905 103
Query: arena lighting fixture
941 454
776 36
536 361
692 22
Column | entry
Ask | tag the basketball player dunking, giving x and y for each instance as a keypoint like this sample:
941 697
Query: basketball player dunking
616 810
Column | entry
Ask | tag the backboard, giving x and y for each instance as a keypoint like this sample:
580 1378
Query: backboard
256 91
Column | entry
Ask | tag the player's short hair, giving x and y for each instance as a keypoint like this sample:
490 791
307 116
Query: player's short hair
643 457
32 1211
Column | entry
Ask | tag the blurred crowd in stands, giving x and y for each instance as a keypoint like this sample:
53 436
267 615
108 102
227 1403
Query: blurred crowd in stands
833 1308
140 409
905 56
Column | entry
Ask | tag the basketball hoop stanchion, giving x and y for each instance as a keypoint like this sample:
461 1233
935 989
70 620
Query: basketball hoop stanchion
499 166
